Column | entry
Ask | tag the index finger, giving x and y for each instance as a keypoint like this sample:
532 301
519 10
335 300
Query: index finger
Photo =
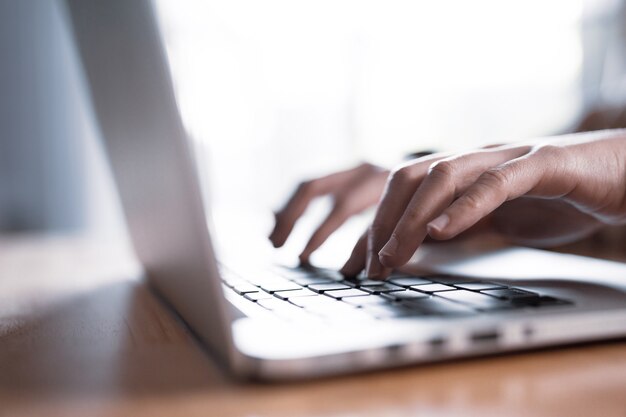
445 180
400 188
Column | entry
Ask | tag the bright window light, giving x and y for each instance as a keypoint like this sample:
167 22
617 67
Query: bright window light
281 90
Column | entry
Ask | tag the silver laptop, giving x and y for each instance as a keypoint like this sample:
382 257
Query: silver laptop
274 322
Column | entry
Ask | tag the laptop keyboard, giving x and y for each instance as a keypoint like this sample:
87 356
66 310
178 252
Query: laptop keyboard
321 293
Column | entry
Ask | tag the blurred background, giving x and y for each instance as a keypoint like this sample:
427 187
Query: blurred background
279 91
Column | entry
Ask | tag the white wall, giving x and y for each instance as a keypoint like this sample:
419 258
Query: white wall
280 90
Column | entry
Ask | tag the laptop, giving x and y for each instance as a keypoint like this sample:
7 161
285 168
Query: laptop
274 322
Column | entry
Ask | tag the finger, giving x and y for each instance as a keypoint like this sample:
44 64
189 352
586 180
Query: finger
401 185
338 216
364 192
299 201
373 268
511 180
445 180
356 262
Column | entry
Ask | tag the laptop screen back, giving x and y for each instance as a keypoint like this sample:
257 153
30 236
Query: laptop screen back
133 101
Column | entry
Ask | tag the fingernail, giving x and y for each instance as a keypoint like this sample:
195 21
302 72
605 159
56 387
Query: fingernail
390 248
439 223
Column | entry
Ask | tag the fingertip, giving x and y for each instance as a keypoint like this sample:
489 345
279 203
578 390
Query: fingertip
396 260
350 269
304 257
275 241
377 271
371 266
386 272
357 259
304 261
348 273
380 274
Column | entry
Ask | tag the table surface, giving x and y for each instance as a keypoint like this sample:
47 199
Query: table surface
80 335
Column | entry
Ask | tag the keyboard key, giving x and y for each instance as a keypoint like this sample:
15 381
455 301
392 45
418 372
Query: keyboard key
279 285
390 311
370 299
350 282
265 276
317 303
430 288
438 306
339 294
286 310
289 294
231 282
369 282
328 287
382 288
289 272
330 274
405 295
274 304
479 286
244 288
301 272
409 281
255 296
510 293
229 277
475 299
310 280
325 306
449 279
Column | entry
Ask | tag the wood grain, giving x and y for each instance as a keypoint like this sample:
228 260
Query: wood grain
81 335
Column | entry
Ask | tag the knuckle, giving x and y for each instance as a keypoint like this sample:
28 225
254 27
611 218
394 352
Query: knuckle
366 166
307 187
400 175
548 151
444 169
494 177
472 201
492 146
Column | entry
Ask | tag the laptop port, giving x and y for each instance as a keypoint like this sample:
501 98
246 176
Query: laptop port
485 336
437 344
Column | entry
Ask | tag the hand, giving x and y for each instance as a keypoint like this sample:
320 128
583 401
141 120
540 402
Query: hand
574 184
353 191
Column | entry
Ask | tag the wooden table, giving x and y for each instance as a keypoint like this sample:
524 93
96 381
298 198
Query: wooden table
80 335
